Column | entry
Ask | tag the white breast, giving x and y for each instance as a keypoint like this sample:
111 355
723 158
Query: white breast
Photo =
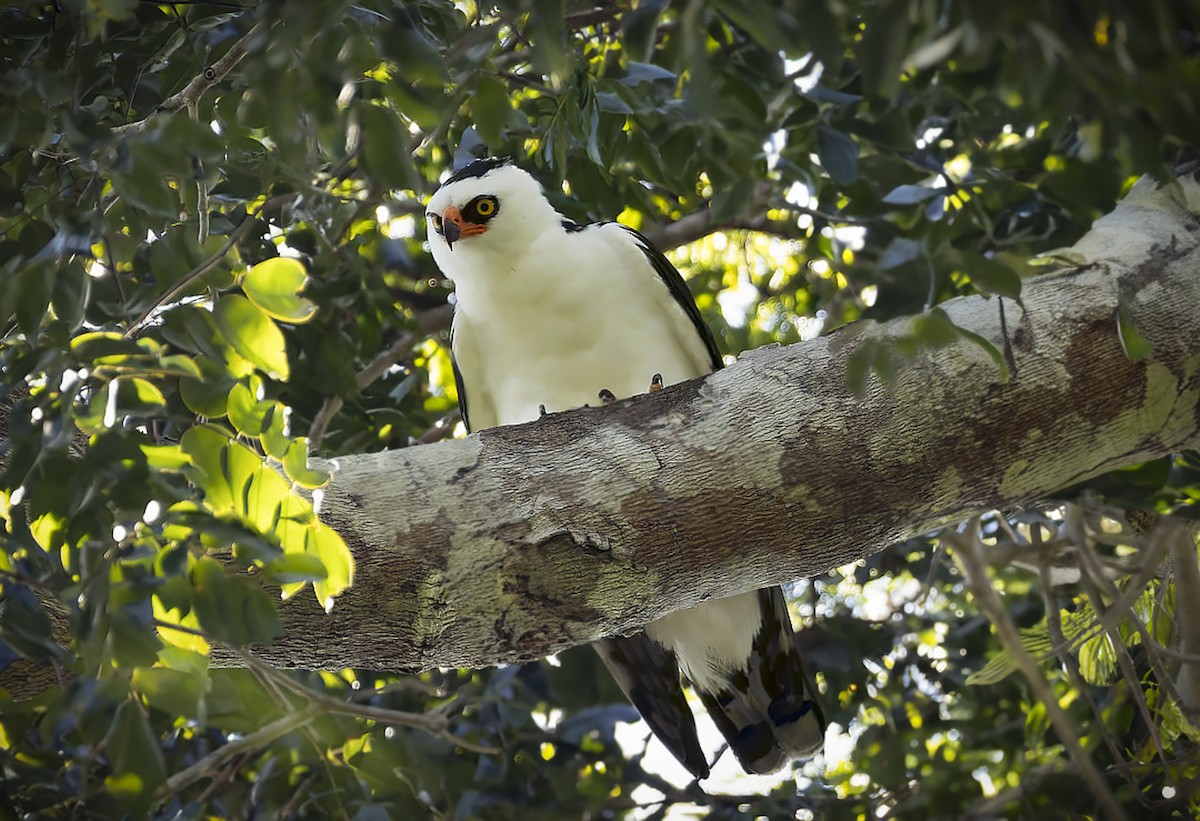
577 313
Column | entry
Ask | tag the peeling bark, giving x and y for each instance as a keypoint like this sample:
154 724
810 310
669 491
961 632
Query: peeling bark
520 541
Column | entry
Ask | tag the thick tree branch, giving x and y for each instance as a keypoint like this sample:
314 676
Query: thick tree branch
520 541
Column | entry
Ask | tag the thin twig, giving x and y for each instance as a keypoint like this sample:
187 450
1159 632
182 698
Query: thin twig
235 239
293 803
440 429
377 367
1115 614
201 185
1071 665
227 752
969 554
434 723
202 82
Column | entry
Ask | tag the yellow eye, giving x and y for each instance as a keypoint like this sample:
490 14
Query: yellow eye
485 206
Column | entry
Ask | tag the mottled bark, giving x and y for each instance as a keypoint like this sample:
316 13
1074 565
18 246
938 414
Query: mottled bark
520 541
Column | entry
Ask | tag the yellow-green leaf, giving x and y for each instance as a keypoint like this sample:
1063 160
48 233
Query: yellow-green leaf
339 563
295 463
253 334
274 285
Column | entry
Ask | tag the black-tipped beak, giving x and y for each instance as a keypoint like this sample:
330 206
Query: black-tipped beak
451 232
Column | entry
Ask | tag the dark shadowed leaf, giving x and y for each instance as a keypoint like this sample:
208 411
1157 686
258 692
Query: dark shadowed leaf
839 155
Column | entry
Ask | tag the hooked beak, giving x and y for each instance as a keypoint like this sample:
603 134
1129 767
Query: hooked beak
454 227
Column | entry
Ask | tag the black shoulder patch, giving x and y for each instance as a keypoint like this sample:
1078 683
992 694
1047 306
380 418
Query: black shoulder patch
478 168
459 386
571 226
678 288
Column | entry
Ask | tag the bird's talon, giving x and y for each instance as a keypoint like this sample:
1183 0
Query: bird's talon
656 384
541 411
607 396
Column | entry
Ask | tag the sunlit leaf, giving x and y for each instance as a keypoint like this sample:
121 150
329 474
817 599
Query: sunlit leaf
274 286
252 334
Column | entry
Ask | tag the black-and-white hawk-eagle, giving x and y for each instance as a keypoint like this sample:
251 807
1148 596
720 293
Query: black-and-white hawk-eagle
548 313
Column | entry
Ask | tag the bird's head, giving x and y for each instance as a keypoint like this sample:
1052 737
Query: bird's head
486 211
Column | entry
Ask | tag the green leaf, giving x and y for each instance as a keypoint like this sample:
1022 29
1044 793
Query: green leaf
274 286
24 625
98 345
69 296
232 609
246 413
180 365
492 109
988 348
209 395
934 329
1132 342
910 194
295 464
253 335
133 749
384 155
165 457
274 437
293 568
991 276
327 545
174 692
34 288
838 153
207 449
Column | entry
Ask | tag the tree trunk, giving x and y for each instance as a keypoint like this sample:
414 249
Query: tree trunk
520 541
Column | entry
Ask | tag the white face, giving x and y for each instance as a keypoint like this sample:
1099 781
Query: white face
484 215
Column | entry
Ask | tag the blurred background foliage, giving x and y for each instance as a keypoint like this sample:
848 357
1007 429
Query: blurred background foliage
183 185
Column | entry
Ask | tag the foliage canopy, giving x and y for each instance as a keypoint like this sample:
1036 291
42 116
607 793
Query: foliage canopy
210 240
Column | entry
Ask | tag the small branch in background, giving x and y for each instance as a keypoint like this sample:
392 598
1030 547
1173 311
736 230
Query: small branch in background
440 429
1152 559
378 366
190 94
301 790
201 185
1187 618
235 239
257 740
428 322
753 217
1098 585
434 723
1071 665
968 552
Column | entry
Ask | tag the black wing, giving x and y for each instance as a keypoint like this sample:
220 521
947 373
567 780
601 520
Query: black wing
678 288
459 386
649 676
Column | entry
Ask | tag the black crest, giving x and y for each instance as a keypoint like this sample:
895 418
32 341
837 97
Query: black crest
478 168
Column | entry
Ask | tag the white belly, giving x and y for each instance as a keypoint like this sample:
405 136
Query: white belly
555 333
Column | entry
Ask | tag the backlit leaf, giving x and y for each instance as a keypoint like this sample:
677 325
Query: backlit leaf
274 286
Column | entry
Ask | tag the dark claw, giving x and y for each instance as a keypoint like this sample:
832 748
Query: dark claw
541 411
607 397
656 383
